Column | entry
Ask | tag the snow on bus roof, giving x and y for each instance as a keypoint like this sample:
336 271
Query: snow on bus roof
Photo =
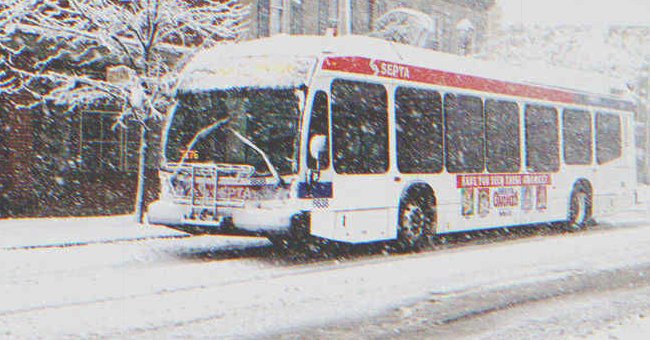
288 61
281 61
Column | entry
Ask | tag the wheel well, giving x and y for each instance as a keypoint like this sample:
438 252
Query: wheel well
418 189
583 185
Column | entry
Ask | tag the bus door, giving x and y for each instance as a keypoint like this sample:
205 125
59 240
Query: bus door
357 209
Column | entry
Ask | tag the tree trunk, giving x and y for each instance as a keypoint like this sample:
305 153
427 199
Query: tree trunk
142 177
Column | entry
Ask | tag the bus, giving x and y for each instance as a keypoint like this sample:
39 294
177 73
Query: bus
356 139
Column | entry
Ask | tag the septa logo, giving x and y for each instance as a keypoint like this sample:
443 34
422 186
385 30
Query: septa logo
391 70
374 67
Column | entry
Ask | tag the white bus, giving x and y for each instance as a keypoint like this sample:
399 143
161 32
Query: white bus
356 139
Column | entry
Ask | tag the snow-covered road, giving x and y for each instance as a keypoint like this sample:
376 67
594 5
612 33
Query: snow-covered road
151 287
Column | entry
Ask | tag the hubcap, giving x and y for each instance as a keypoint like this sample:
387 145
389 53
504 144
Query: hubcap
412 223
416 221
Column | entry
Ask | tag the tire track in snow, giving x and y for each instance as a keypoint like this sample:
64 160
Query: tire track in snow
369 254
448 315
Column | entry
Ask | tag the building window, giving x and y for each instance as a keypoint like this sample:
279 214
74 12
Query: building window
328 15
434 39
276 16
263 18
279 11
105 145
297 25
360 16
466 32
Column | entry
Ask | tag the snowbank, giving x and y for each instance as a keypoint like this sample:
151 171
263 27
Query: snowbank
52 232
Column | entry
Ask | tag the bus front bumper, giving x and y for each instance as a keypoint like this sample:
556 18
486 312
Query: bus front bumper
240 221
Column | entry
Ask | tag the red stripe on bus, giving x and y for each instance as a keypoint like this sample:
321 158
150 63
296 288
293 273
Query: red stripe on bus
366 66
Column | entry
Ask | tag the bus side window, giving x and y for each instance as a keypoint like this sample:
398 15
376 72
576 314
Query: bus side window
319 125
464 137
502 136
608 137
542 139
576 134
419 130
359 127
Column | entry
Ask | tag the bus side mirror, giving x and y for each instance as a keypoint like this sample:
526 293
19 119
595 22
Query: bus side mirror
317 146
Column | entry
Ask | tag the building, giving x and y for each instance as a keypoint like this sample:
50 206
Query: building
61 164
458 27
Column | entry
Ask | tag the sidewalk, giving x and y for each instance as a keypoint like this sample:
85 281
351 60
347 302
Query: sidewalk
63 231
53 232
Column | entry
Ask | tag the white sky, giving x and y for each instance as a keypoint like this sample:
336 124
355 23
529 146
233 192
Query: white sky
597 12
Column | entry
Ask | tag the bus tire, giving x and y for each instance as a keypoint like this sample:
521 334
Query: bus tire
579 208
417 220
299 235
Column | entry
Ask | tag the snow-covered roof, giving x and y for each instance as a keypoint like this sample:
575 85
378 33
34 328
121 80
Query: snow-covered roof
280 61
287 61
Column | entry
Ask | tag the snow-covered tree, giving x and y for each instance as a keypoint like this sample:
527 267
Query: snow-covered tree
617 52
407 26
59 51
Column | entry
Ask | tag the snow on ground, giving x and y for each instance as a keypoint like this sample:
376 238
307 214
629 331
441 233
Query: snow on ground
152 282
637 327
43 232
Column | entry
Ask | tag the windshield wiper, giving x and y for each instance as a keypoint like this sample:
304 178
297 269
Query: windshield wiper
208 129
201 134
272 169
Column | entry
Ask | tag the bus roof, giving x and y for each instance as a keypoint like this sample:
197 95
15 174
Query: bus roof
289 61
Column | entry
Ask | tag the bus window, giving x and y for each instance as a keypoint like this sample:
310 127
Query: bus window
464 138
359 127
318 125
576 134
542 139
608 137
502 136
419 130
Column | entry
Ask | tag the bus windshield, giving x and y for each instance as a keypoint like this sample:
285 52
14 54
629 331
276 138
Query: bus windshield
269 118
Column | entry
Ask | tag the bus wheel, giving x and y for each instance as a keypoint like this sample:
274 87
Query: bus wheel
579 209
299 237
417 221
